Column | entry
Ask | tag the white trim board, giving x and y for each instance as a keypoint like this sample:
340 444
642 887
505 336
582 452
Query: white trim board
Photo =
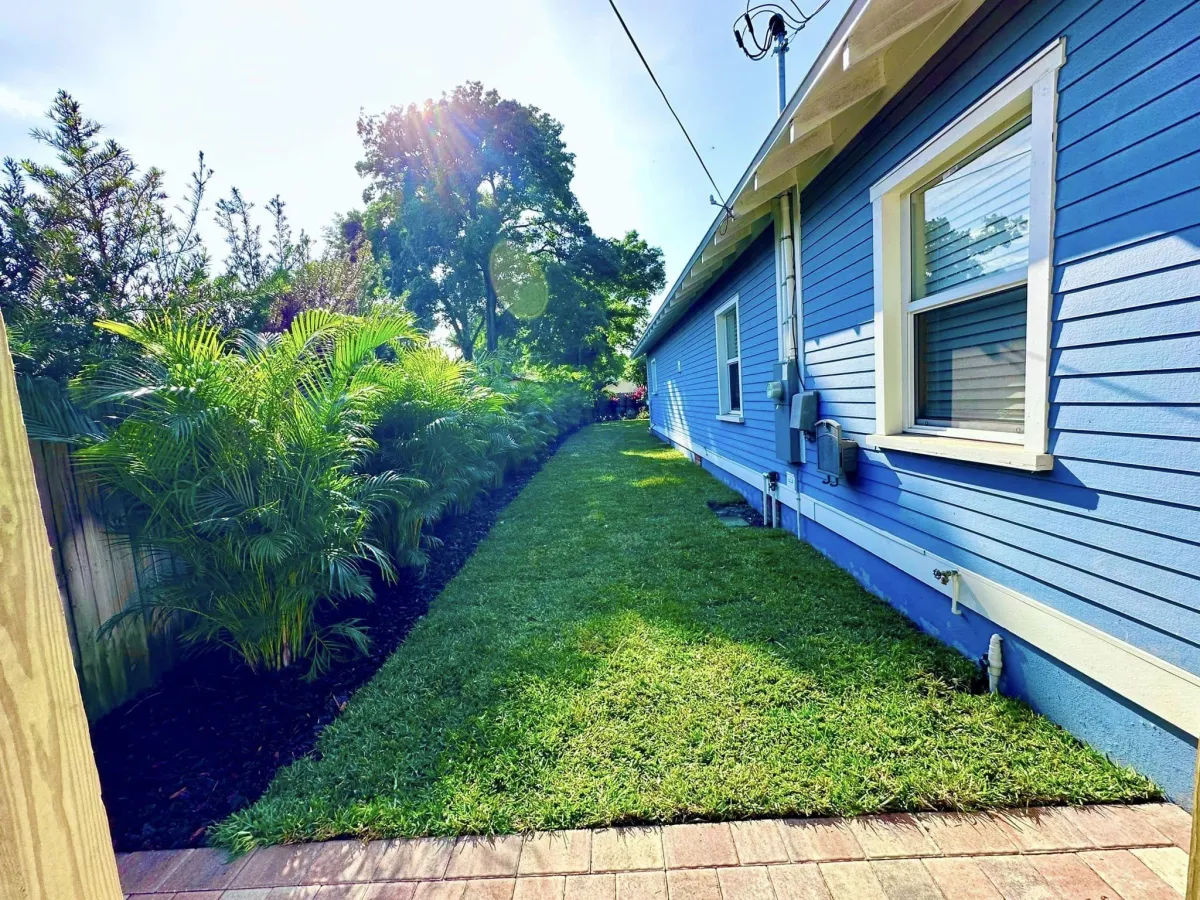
1167 691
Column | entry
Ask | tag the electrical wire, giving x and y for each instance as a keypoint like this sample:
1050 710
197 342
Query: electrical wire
790 17
691 143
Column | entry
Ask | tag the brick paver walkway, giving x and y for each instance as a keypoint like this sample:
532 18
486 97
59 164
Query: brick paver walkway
1130 852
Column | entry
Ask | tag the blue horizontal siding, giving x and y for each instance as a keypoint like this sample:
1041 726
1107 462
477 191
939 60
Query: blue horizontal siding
1109 536
686 360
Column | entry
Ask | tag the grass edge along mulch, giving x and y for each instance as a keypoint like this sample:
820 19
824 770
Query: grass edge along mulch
612 654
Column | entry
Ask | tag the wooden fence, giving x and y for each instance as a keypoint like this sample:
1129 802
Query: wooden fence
98 574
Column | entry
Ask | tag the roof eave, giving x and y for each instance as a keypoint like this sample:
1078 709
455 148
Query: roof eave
897 18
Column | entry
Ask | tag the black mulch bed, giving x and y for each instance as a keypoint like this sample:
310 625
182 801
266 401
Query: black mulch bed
208 739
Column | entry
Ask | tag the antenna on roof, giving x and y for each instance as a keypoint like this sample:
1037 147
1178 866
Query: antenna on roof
780 18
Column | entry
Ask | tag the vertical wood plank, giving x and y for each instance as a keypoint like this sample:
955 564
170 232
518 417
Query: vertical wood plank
1193 882
54 840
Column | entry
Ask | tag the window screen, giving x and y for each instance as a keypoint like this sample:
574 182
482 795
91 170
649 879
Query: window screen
972 221
970 363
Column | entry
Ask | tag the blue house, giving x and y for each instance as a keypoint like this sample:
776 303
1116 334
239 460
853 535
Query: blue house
950 336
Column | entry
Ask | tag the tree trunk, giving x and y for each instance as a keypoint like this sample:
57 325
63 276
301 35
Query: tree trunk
492 338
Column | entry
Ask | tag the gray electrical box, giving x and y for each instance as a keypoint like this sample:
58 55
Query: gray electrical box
837 457
804 411
788 442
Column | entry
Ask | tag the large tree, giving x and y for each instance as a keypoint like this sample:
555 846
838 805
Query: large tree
596 299
471 213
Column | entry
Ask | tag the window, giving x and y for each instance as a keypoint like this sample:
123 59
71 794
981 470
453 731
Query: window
729 362
654 376
962 281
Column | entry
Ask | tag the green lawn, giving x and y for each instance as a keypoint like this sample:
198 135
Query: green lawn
613 654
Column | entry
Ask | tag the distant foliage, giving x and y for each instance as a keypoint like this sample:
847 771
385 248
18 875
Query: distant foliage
92 237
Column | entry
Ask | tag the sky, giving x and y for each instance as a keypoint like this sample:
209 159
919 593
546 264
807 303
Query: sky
271 92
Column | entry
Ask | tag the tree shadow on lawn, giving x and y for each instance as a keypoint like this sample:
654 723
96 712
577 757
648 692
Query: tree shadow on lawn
613 654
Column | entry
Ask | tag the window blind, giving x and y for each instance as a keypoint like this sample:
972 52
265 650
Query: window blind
970 363
972 221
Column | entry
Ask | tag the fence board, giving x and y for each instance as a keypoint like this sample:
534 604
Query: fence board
97 575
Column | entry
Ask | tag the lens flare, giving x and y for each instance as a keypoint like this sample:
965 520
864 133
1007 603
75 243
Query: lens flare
519 280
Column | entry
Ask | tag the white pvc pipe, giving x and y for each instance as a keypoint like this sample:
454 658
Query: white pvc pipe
788 251
995 662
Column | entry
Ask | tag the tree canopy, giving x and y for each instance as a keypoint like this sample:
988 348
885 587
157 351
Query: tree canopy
470 223
470 210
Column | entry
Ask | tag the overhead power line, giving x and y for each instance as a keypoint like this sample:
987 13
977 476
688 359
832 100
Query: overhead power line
781 17
691 143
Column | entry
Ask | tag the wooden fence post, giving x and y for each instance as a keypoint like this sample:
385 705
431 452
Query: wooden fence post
54 841
1193 882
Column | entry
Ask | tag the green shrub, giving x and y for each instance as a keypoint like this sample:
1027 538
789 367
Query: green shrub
274 469
240 460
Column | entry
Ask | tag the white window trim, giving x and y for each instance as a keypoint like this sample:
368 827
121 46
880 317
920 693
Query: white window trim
723 412
653 375
1032 89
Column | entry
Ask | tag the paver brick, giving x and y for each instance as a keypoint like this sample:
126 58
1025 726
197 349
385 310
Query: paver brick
905 879
542 887
413 859
1168 818
1168 863
1113 827
557 852
1069 877
758 842
820 840
699 845
966 834
490 889
641 886
145 870
340 862
192 895
1015 878
745 883
202 869
393 890
693 884
590 887
1042 829
440 890
482 857
892 835
627 849
852 881
1128 875
279 866
245 894
344 891
957 876
801 881
295 892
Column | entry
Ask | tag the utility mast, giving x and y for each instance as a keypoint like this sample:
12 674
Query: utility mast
782 22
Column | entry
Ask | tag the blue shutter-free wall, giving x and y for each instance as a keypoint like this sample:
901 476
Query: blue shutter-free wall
1111 536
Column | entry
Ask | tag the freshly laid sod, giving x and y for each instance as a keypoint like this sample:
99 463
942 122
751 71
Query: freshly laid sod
614 654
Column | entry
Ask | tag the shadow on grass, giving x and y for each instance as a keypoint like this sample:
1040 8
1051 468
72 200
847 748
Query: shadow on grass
613 654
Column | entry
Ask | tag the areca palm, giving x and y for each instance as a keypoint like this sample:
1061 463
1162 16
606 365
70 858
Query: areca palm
242 460
441 427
